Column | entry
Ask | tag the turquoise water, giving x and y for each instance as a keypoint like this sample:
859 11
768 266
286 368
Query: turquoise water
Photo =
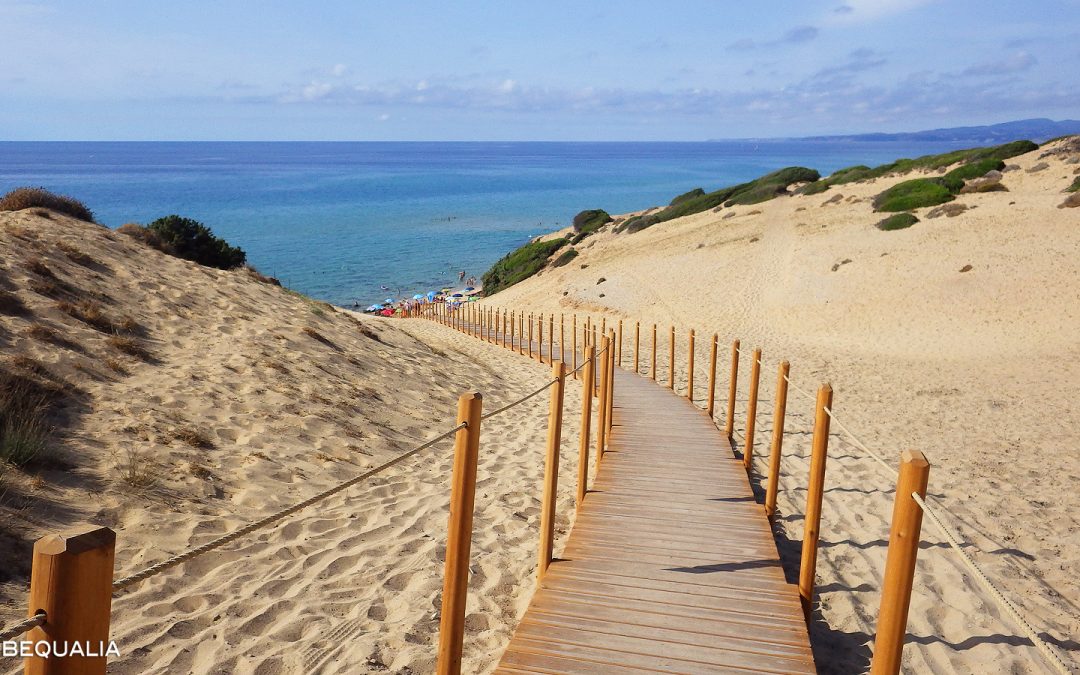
340 220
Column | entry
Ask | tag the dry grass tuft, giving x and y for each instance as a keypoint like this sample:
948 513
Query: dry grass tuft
316 335
24 430
90 313
77 255
193 437
38 266
41 332
129 346
28 198
115 365
136 469
200 472
11 304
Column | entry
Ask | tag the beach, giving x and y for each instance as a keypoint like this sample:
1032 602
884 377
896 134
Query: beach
955 337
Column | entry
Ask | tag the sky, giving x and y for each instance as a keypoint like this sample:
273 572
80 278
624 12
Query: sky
510 70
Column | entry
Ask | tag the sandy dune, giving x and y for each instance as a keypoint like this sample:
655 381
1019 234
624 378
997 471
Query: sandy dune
253 398
975 367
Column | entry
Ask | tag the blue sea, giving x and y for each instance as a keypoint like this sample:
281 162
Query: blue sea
339 221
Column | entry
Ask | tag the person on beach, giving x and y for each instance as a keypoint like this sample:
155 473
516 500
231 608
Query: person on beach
461 275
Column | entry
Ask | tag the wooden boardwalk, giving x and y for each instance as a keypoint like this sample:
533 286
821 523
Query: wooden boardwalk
671 565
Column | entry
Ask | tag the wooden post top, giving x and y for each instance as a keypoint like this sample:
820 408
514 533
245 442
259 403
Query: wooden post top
915 459
75 540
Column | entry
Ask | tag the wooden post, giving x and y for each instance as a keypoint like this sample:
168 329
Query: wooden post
690 369
601 427
779 411
671 360
513 316
900 564
504 328
603 325
751 410
573 350
459 535
540 338
729 426
815 489
610 396
637 346
618 347
652 368
562 337
530 335
551 339
551 470
589 373
71 580
711 405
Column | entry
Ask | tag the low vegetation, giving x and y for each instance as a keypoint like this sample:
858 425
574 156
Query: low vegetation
11 304
697 200
565 257
520 264
914 194
899 221
1075 187
188 239
29 197
589 222
969 156
24 430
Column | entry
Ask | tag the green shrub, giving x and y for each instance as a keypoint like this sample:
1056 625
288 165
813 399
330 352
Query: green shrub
28 197
520 264
933 162
692 194
899 221
23 427
757 194
191 240
975 169
565 257
913 194
591 220
814 188
1075 187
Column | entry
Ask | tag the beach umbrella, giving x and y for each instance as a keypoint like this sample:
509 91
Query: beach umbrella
389 301
457 295
373 308
431 295
469 288
417 297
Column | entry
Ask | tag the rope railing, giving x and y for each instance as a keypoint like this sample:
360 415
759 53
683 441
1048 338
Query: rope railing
175 560
23 626
825 412
992 589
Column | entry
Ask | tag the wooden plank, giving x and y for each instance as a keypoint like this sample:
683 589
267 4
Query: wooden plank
671 565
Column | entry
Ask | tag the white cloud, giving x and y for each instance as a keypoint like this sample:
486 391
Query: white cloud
340 69
857 11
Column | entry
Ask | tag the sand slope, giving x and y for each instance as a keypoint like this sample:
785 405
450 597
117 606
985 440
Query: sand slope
254 398
977 368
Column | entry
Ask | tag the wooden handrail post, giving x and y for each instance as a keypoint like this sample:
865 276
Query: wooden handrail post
603 325
779 411
671 360
540 338
610 396
751 410
618 347
637 346
729 425
815 490
562 337
551 470
459 535
513 316
900 564
652 368
530 335
601 427
573 342
551 339
690 369
711 405
71 581
589 373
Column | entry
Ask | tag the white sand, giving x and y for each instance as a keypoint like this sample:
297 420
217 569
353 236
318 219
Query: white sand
977 369
350 585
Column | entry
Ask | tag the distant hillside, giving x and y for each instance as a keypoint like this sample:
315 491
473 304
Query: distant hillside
1038 130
